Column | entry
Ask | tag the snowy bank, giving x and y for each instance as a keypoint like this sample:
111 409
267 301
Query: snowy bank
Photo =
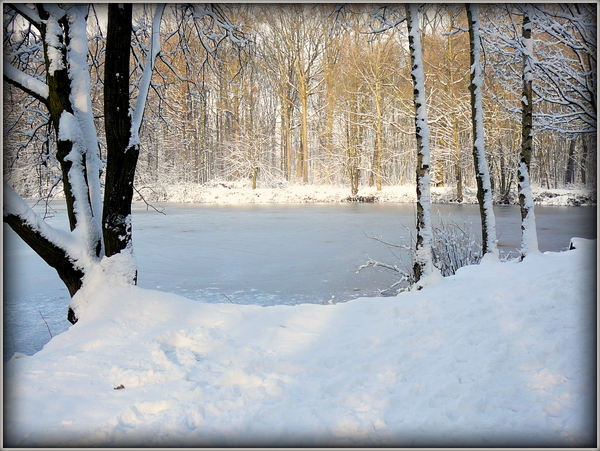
501 354
242 193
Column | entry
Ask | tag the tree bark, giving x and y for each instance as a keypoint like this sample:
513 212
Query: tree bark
584 157
569 175
121 158
303 94
59 91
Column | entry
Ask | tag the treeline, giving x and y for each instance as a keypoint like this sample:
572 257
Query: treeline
322 94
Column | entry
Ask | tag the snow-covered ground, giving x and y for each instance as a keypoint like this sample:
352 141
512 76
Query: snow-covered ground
501 354
241 193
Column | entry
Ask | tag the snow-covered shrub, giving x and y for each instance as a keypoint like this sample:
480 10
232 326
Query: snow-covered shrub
453 247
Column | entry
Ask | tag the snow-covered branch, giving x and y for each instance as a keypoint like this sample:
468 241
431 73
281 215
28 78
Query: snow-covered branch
140 105
25 82
30 14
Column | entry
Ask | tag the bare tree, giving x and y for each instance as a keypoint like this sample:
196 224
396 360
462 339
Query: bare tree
100 227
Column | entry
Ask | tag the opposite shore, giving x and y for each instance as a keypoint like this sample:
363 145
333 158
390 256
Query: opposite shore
242 193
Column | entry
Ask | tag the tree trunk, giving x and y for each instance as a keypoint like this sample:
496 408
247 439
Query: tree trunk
484 189
72 163
423 264
377 166
283 133
457 165
303 93
121 158
569 174
584 156
529 243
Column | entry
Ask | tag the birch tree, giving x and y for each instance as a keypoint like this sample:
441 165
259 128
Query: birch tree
484 188
423 264
529 243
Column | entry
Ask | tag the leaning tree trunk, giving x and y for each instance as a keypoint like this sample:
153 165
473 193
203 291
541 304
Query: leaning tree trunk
482 174
423 264
529 242
32 233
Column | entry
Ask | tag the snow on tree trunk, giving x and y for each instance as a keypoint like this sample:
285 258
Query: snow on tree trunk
81 101
484 187
66 95
529 242
423 264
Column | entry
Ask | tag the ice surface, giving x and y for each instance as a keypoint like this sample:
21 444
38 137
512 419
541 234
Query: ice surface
255 254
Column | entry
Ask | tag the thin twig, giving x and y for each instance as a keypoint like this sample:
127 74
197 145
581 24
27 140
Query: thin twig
46 323
149 204
226 297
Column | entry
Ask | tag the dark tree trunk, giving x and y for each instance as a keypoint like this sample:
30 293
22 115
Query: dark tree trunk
459 182
121 158
569 175
584 156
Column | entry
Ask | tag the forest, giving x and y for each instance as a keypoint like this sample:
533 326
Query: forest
322 95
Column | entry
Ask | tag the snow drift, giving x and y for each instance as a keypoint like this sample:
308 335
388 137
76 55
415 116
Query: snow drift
501 354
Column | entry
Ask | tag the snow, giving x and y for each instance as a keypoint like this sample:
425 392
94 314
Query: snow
54 52
498 355
88 226
28 12
528 54
418 75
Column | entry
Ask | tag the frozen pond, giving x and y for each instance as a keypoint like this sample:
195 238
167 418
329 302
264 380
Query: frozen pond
256 254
